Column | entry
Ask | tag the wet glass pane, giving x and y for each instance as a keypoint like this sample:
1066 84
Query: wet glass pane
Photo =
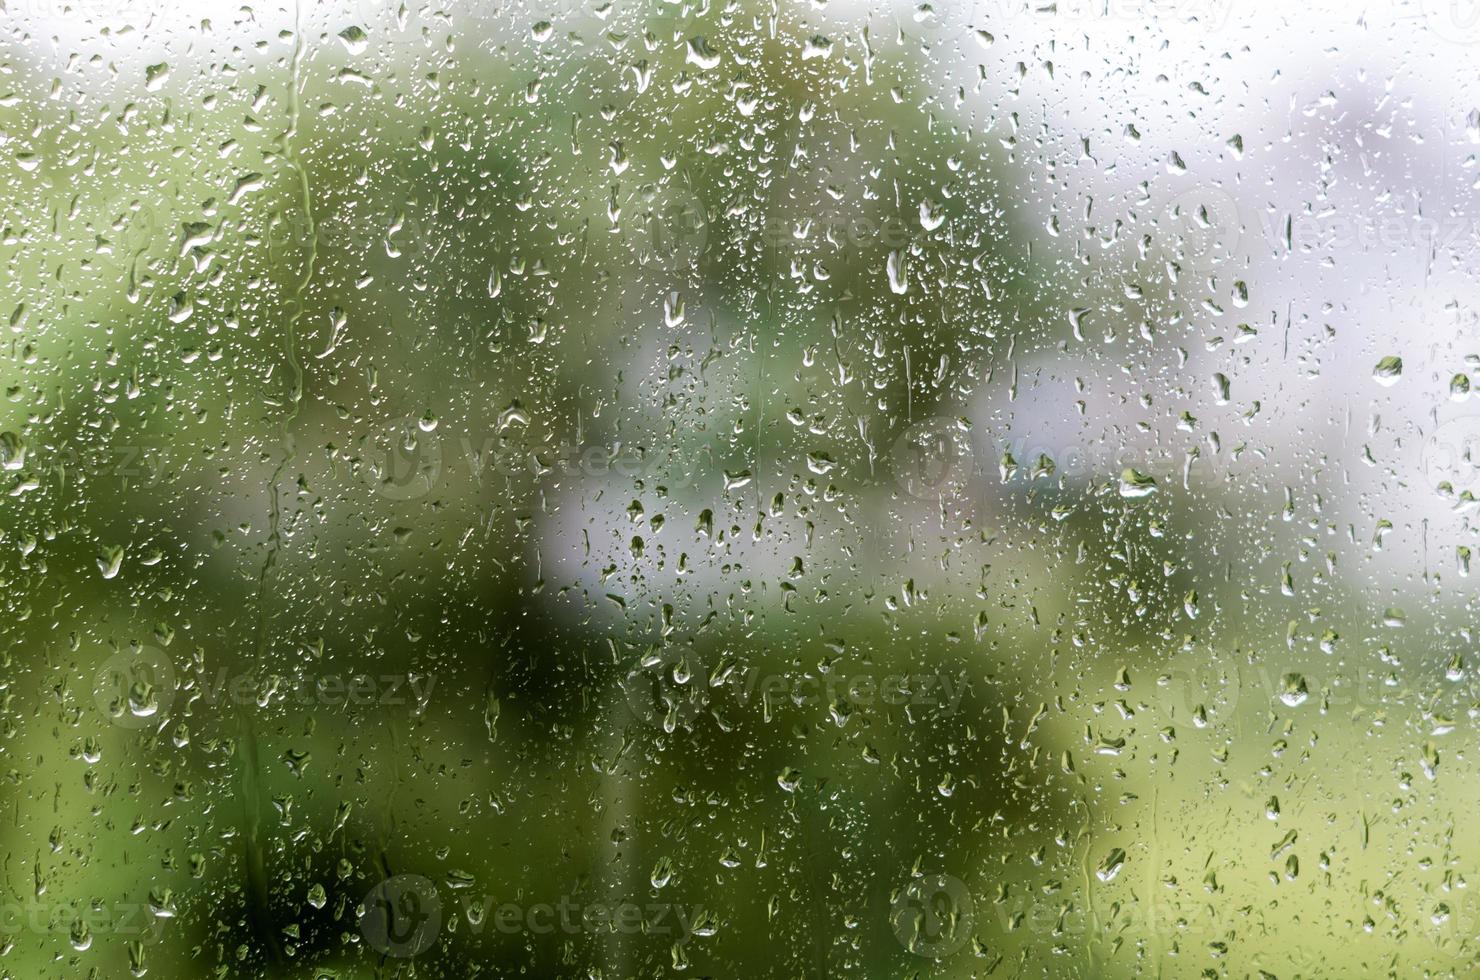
738 488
